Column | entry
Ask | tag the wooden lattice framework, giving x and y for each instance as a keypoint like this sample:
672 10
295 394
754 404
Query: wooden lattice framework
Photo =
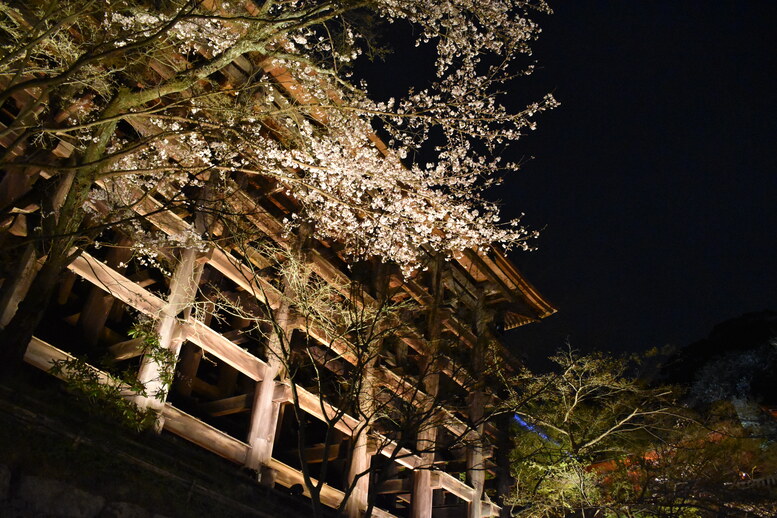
100 289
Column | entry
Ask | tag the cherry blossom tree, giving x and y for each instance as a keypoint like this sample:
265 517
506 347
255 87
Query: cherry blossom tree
115 103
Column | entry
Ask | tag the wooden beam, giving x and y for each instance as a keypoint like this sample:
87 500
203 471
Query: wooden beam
228 406
116 284
387 448
288 476
127 349
489 509
315 406
245 278
454 486
204 435
315 454
394 486
98 305
217 345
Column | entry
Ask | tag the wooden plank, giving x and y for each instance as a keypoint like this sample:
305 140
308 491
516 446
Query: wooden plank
97 307
338 345
394 486
203 435
387 448
315 454
455 486
42 355
127 349
214 343
245 278
116 284
315 406
228 406
287 476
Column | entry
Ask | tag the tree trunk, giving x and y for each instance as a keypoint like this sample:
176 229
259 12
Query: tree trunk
17 334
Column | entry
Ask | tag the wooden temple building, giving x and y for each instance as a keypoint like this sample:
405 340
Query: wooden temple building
230 395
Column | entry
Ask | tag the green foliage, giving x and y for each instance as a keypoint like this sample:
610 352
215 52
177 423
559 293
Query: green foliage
163 357
106 395
113 395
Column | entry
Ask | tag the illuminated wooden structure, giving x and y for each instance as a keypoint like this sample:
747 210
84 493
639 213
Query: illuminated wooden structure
227 397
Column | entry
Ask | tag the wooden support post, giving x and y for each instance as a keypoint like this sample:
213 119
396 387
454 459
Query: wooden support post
423 492
265 414
98 305
183 288
15 288
191 355
187 368
361 458
265 410
358 474
476 469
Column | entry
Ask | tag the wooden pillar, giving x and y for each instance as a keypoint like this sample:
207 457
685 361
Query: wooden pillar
264 421
476 472
98 304
476 469
191 355
183 288
265 411
359 466
358 470
422 496
15 288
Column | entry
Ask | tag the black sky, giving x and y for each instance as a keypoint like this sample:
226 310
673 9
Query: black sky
656 180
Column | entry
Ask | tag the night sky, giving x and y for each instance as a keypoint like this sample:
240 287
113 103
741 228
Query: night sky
656 180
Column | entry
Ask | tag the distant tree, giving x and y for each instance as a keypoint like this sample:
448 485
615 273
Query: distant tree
593 440
699 471
588 410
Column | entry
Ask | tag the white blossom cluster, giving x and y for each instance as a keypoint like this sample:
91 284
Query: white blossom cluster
188 32
312 133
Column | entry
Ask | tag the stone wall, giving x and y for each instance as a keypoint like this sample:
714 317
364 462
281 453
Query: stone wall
23 496
59 459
